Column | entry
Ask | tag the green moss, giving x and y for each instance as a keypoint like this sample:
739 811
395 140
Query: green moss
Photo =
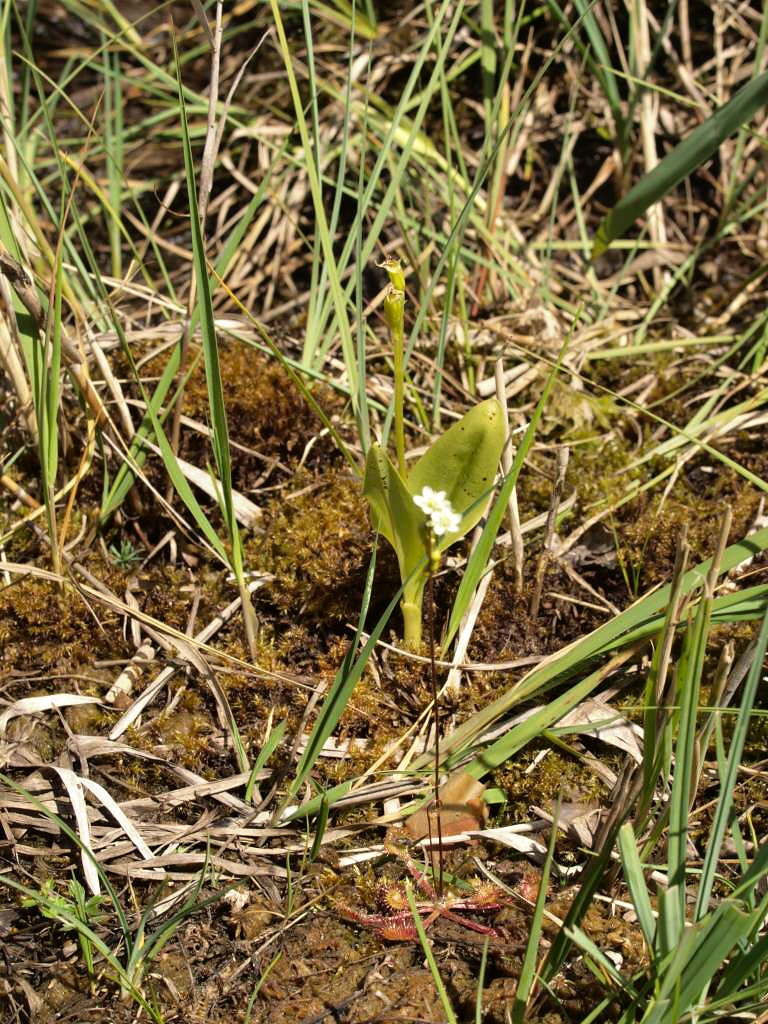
317 544
265 411
556 776
44 626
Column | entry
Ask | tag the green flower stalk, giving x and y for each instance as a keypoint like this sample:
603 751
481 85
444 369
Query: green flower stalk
394 314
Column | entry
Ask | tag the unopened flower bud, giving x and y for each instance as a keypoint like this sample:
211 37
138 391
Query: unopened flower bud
396 276
394 310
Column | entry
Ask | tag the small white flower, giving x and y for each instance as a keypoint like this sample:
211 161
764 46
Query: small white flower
437 508
445 520
430 501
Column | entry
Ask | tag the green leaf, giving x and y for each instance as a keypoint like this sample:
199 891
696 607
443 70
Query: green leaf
528 971
480 557
338 697
643 618
696 959
463 463
729 777
376 489
126 474
216 399
691 153
393 511
633 873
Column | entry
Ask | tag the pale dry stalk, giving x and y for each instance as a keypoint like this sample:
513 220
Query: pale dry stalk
507 458
649 110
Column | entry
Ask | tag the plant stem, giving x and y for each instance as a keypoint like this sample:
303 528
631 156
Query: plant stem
250 622
397 346
411 623
411 606
394 314
436 723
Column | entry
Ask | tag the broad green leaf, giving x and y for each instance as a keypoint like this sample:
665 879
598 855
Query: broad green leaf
393 511
691 153
376 490
481 554
463 463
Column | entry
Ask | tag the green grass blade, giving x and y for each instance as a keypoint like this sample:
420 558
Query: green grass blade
319 827
126 474
642 619
635 878
728 778
314 806
53 908
528 970
216 402
756 871
263 756
315 183
77 843
672 903
114 138
595 955
589 884
699 955
445 1002
743 966
534 725
596 55
691 153
481 983
341 689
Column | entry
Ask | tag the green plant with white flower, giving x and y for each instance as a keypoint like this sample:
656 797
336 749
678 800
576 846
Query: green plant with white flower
424 510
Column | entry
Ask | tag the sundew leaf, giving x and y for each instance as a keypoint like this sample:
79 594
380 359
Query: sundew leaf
691 153
463 463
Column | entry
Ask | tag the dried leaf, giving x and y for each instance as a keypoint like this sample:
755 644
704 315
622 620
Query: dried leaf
462 809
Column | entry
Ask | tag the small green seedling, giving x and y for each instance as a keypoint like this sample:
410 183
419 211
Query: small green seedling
422 512
76 906
126 555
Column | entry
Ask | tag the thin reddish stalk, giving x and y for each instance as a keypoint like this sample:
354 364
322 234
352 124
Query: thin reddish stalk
436 721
